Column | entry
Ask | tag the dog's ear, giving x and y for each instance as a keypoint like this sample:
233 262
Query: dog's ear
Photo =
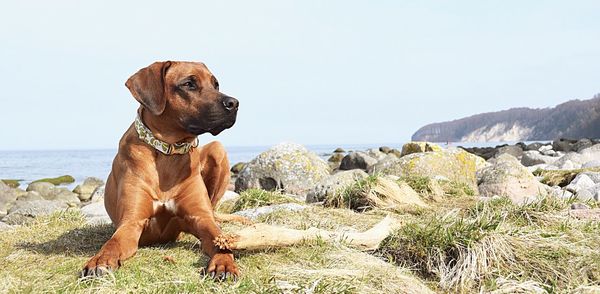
148 86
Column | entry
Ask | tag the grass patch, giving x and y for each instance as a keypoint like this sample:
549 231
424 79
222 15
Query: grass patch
66 179
376 192
474 249
561 178
47 255
12 182
253 198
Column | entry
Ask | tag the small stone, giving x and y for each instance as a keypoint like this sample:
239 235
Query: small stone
579 206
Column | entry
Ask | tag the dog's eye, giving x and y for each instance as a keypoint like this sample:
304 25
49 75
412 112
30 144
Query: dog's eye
189 85
217 85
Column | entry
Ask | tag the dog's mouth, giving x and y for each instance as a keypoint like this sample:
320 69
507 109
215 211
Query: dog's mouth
214 128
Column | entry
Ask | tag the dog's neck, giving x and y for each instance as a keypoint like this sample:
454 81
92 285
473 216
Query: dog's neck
151 130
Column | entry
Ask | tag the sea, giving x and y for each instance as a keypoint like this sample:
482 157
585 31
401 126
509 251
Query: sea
32 165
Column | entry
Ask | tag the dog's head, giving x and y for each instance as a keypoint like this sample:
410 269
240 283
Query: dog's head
185 93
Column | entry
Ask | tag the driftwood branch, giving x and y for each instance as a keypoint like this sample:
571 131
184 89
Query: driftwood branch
262 236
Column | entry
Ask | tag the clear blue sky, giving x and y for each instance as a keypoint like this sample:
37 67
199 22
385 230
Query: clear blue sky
313 72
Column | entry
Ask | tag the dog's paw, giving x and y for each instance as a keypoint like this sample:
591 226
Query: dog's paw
100 265
222 267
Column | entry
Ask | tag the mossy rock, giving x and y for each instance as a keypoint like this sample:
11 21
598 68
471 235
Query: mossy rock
12 183
418 147
456 165
66 179
238 167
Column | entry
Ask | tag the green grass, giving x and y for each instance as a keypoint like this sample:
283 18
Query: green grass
253 198
46 256
353 196
66 179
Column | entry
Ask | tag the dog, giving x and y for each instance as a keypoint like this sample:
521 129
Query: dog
162 183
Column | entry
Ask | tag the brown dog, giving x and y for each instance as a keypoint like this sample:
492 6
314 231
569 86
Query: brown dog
160 184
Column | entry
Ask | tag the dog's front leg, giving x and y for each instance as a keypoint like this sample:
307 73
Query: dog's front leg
122 245
221 264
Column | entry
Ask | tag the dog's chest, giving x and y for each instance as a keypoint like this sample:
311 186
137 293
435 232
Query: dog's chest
164 206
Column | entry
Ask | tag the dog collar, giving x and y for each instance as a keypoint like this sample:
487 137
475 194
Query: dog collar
146 135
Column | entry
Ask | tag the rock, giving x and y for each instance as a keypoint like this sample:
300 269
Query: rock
594 176
86 189
5 227
418 147
66 179
335 160
587 195
530 158
592 214
98 194
357 160
385 149
339 150
50 192
254 213
25 211
238 167
559 193
571 160
590 164
30 196
330 185
579 206
43 188
230 195
375 153
514 150
545 148
563 144
7 198
580 182
551 153
582 144
286 166
534 146
507 177
454 164
95 214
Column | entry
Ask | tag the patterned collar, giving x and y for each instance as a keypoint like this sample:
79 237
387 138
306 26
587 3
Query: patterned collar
146 135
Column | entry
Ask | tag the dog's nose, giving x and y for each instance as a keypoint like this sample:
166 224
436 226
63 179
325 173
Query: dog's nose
230 103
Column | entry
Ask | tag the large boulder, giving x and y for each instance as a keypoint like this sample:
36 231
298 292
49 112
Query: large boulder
514 150
507 177
7 198
580 182
88 186
25 211
334 183
419 147
531 158
287 166
563 144
357 160
50 192
453 164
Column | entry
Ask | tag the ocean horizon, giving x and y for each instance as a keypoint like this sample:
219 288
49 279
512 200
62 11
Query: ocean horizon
30 165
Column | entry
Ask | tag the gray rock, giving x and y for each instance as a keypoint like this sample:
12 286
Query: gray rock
5 227
287 166
590 164
589 193
559 193
507 177
254 213
230 195
545 148
563 144
88 186
580 182
582 144
376 153
7 198
534 146
530 158
98 194
594 176
385 149
330 185
31 196
357 160
95 213
513 150
44 188
64 195
25 211
579 206
551 153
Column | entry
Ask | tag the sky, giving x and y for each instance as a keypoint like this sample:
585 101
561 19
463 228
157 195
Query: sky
312 72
